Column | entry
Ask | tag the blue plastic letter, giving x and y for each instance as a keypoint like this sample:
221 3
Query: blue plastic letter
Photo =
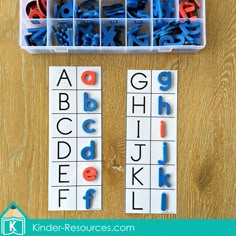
163 178
85 126
88 197
88 153
165 155
164 79
162 104
163 201
90 104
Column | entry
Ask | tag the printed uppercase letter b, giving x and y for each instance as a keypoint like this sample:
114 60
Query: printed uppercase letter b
64 104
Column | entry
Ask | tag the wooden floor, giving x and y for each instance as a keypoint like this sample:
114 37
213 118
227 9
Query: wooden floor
206 121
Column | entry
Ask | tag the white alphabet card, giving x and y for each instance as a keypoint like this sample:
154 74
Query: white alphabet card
75 138
151 142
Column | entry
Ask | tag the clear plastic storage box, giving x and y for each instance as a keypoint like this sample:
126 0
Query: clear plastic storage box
147 28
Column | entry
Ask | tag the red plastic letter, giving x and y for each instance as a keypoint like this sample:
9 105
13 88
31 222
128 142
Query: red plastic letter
89 77
90 174
163 131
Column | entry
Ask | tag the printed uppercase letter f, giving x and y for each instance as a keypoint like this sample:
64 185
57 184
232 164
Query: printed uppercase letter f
88 197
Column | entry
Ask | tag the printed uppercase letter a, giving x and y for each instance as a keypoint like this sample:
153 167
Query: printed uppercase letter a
64 76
